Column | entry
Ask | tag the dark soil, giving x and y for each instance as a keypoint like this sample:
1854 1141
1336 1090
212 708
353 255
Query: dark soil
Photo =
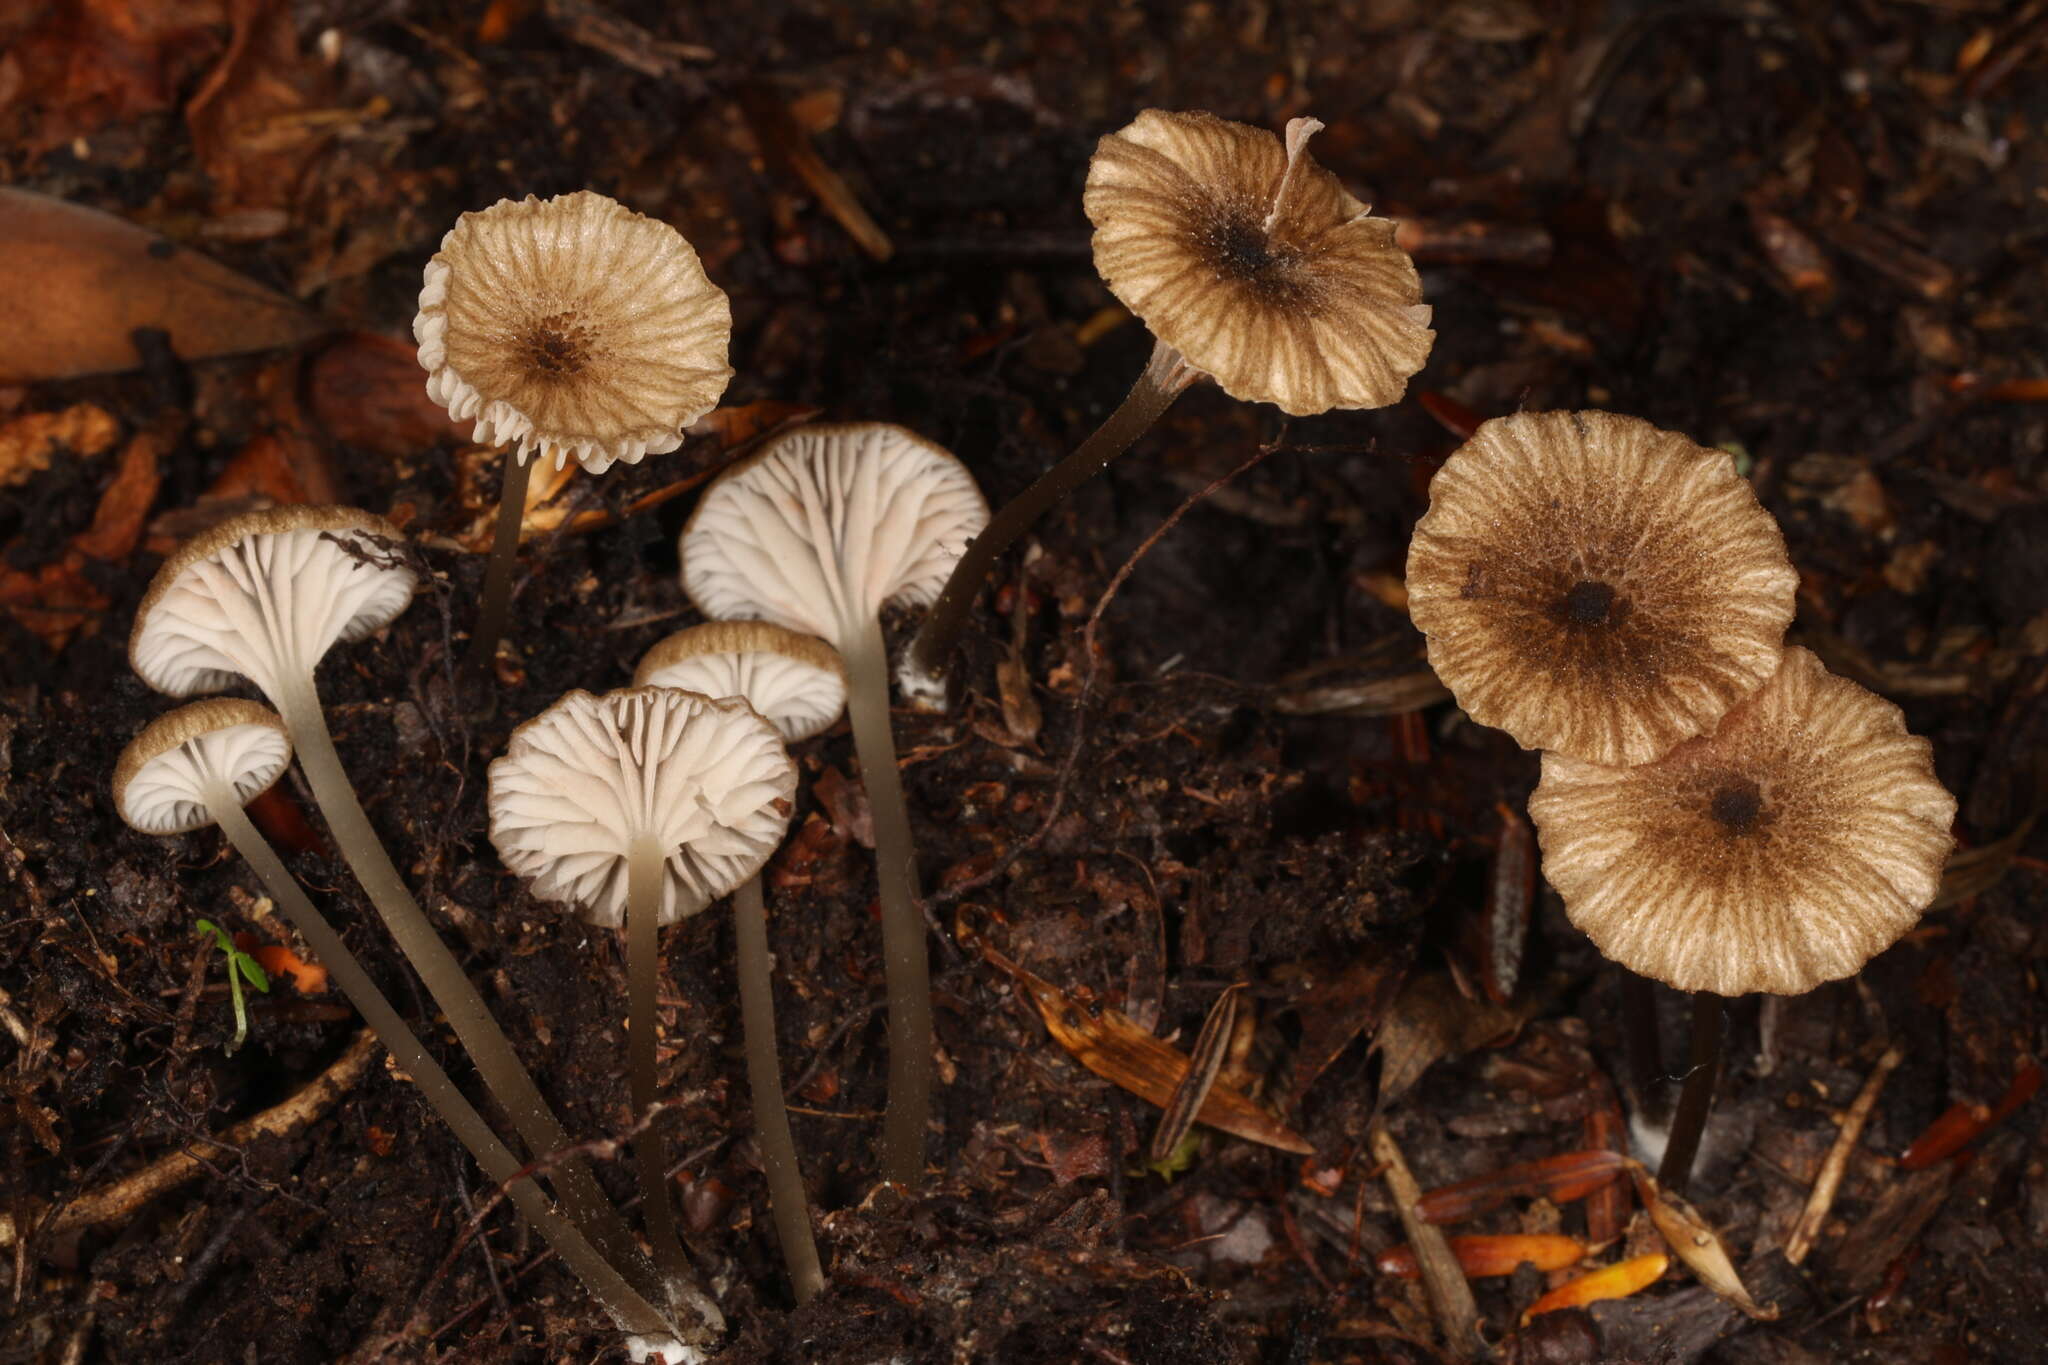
1813 234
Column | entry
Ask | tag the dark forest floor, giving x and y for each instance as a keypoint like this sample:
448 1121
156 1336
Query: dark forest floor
1812 234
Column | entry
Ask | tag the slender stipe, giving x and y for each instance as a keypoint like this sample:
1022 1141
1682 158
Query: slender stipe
496 607
787 1200
1697 1099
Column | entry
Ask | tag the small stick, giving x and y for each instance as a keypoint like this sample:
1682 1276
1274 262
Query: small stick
112 1203
1807 1230
1443 1279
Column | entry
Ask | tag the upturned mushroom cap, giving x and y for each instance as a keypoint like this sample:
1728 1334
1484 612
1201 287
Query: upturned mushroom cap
582 782
572 326
161 778
262 596
796 682
825 525
1788 848
1593 585
1254 263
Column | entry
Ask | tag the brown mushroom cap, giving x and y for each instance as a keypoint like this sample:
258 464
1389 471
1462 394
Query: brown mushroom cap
1788 848
1593 585
1254 263
572 326
161 778
264 595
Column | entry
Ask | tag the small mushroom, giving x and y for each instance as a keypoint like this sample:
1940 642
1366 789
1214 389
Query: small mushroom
263 596
1250 264
797 684
818 531
199 765
641 807
1796 842
567 326
1595 586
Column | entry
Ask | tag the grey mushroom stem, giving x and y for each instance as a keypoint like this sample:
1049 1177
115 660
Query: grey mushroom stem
298 704
497 601
644 873
786 1197
628 1308
1164 378
906 964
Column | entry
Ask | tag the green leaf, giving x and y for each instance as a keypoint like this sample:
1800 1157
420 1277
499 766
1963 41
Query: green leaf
252 972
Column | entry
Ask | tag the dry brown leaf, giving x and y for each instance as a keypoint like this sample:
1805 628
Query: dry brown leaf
30 442
251 119
56 600
1116 1049
370 393
86 63
1428 1021
1693 1240
1340 1006
79 284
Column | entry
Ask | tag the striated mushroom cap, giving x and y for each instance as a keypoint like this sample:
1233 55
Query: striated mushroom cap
583 781
1593 585
1254 263
262 596
825 525
796 682
162 777
1790 847
572 326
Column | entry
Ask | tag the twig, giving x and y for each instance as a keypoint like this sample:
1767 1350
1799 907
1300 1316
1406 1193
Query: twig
121 1199
1443 1280
1807 1230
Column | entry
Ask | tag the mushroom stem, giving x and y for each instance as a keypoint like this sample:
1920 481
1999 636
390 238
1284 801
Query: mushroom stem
627 1307
643 969
497 602
905 961
1163 379
1697 1098
786 1197
298 704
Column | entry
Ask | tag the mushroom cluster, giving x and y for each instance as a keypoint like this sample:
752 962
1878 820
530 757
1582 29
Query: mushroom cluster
1717 811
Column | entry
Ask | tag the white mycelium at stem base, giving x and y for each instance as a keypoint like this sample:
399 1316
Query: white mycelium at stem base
198 766
819 531
263 596
638 808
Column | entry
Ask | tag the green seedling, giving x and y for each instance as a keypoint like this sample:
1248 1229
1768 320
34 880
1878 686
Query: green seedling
241 967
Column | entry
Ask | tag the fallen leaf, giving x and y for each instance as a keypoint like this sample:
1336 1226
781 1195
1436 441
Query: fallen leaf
79 284
1339 1007
1693 1240
30 442
370 393
1484 1256
1428 1021
1116 1049
1616 1281
1560 1179
252 122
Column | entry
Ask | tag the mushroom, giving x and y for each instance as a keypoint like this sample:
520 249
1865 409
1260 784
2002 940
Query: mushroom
263 596
1595 586
1800 839
198 766
1250 264
818 531
641 807
569 326
797 684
